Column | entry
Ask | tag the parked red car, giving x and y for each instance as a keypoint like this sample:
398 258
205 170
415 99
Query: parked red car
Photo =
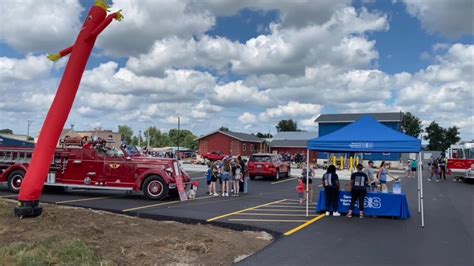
267 165
213 156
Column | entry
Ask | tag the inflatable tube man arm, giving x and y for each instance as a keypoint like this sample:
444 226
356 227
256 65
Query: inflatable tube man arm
117 15
56 57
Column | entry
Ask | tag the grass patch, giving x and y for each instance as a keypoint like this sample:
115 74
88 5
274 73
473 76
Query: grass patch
49 252
5 209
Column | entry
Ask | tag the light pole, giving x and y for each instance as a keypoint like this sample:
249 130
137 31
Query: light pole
29 124
178 138
139 137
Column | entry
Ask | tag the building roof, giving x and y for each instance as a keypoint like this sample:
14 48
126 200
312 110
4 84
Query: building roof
295 135
288 143
236 135
349 118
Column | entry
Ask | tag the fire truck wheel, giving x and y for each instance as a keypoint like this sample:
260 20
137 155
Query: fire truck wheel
155 187
15 179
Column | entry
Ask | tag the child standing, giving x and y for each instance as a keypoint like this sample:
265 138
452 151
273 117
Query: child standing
214 177
300 190
209 178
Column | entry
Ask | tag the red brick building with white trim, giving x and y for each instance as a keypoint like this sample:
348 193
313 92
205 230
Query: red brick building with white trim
232 143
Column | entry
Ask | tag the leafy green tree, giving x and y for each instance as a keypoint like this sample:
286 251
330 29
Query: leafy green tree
451 136
264 135
154 134
126 132
6 131
287 125
439 138
225 129
411 125
186 138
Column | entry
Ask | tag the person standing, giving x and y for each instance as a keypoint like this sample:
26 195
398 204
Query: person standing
209 178
331 189
383 174
414 165
442 167
226 177
214 177
307 180
371 175
236 177
243 167
358 184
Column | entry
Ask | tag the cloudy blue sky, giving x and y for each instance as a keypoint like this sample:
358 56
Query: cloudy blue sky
242 64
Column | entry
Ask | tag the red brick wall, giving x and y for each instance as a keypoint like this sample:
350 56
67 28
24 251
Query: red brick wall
221 142
215 142
312 154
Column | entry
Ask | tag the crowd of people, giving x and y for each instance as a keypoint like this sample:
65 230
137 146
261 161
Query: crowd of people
361 181
438 169
231 174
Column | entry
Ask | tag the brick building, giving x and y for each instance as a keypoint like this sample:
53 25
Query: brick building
233 143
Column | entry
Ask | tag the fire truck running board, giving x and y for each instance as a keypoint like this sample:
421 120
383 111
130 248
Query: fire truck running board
90 187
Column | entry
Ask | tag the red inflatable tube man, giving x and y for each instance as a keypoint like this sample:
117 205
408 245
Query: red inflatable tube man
32 186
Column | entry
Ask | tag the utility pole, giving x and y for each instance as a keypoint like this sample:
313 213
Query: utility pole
177 155
29 124
139 137
148 139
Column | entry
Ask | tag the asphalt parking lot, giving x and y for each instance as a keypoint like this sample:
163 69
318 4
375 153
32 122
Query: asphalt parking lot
272 206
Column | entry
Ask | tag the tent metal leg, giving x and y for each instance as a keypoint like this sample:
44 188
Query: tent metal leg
307 183
419 182
420 178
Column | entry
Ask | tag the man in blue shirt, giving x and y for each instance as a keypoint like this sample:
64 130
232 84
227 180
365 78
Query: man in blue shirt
359 184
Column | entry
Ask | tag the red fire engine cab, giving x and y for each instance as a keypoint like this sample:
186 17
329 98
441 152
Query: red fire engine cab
95 165
461 160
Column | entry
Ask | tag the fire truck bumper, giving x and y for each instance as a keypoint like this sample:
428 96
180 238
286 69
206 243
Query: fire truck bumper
28 209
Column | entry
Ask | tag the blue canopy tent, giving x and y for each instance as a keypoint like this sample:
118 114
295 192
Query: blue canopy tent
370 136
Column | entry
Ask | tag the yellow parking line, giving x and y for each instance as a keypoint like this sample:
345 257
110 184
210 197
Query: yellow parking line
244 210
290 206
285 180
7 196
268 220
86 199
275 214
163 203
308 223
282 210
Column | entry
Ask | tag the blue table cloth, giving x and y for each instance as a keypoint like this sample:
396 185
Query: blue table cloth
376 204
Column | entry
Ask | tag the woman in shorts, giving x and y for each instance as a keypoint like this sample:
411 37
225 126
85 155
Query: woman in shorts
226 177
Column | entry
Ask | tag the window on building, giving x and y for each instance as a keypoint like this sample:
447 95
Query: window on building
244 147
252 148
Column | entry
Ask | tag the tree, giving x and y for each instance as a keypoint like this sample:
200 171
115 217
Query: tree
225 129
287 125
6 131
154 136
264 135
186 138
452 136
126 132
439 138
411 125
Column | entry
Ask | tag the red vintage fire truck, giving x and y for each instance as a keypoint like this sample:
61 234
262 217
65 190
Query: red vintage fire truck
96 165
461 160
